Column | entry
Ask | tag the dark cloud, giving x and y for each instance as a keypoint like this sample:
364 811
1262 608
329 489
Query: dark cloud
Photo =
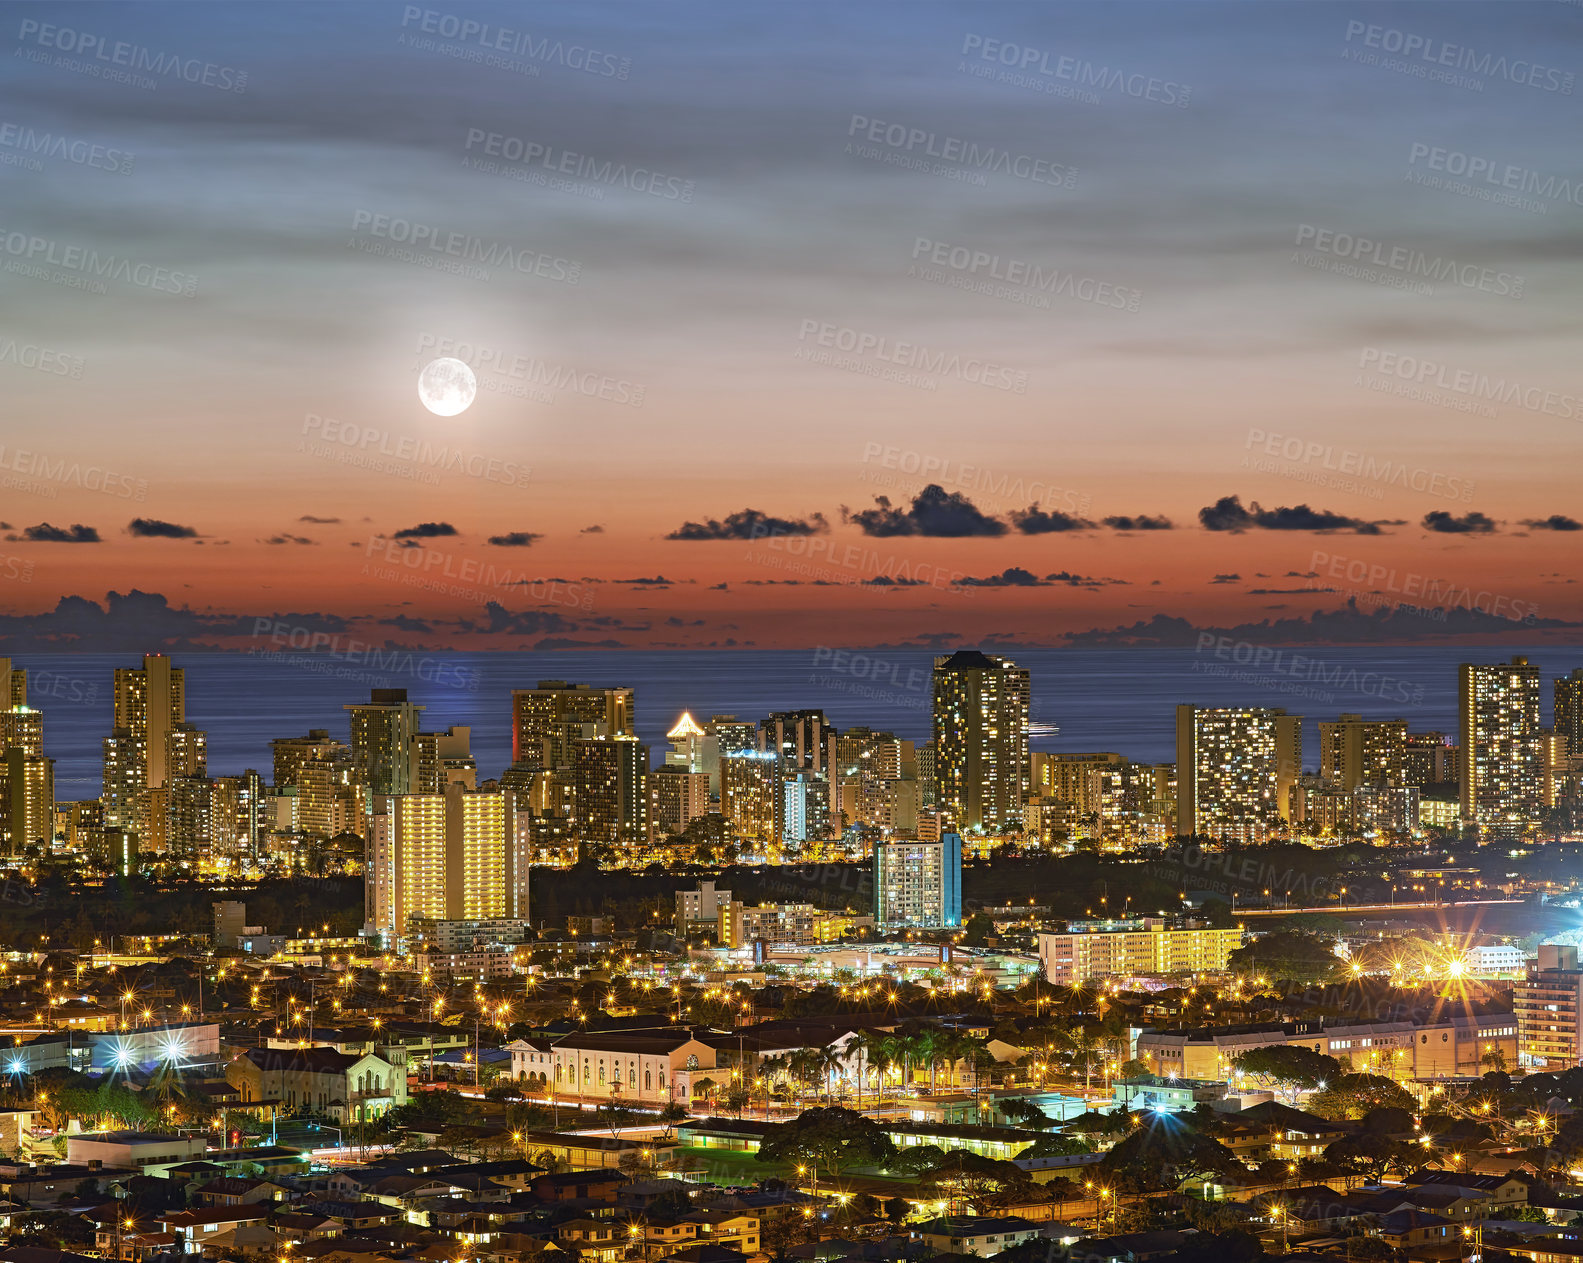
153 528
286 539
44 533
1345 626
1555 522
145 621
515 539
1142 522
1470 523
886 581
1035 521
498 619
1227 514
750 524
1288 591
318 521
595 529
1227 578
426 530
650 581
1082 580
402 623
934 511
1011 577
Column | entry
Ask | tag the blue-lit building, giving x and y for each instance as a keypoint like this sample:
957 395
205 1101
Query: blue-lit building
182 1045
918 883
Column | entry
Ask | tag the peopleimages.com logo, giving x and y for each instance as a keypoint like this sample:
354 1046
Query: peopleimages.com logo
1432 375
916 142
94 54
489 38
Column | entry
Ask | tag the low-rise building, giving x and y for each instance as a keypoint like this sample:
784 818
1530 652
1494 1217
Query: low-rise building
1146 947
345 1086
654 1066
150 1152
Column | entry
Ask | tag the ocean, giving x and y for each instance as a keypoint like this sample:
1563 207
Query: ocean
1083 699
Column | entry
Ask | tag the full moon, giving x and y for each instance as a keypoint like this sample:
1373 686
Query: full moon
447 387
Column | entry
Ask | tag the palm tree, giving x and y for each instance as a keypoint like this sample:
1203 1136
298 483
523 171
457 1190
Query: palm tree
927 1044
871 1050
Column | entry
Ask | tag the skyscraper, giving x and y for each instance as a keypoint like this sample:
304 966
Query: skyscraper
438 758
918 883
382 733
677 796
1355 751
750 795
610 790
546 720
149 701
1569 711
27 800
13 685
981 765
1503 776
687 745
799 738
457 856
22 727
725 735
1236 769
291 752
186 751
125 781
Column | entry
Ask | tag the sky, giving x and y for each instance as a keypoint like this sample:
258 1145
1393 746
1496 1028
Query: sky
877 323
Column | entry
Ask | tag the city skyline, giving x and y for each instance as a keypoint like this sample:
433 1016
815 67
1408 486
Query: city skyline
1151 277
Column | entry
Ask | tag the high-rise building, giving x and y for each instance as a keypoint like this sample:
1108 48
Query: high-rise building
457 856
1548 1005
926 777
1429 758
610 791
876 780
237 807
1236 768
27 809
725 735
438 758
677 796
1503 777
805 807
190 817
1355 751
125 773
982 771
13 685
799 738
149 701
291 752
547 720
186 751
383 731
750 795
918 883
22 728
1569 711
687 745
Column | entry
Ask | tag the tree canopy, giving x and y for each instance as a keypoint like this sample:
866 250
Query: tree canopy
1289 1069
830 1137
1354 1095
